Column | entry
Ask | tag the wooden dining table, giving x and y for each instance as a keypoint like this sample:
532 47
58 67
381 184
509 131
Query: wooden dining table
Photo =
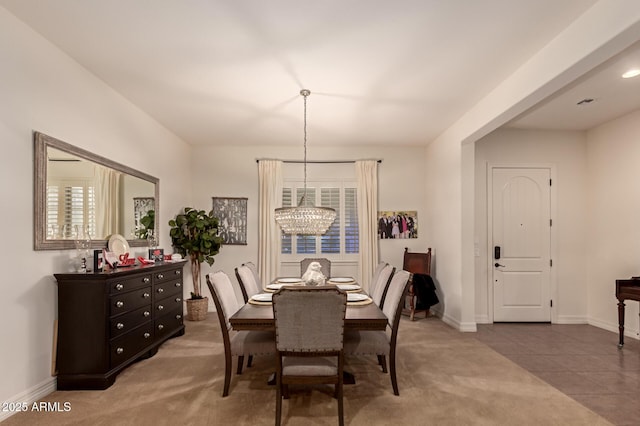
357 317
260 317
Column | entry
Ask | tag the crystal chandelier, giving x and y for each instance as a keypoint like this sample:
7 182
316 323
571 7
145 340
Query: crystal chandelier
305 219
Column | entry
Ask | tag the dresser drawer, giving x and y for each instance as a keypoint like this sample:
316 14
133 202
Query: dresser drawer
167 304
129 344
126 302
125 285
127 322
167 323
170 275
167 288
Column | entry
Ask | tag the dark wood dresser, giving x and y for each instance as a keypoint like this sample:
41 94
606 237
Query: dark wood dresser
108 320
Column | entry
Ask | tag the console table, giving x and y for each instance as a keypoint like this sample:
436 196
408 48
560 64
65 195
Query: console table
108 320
625 289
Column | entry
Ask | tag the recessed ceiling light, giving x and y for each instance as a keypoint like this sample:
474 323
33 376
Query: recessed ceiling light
631 73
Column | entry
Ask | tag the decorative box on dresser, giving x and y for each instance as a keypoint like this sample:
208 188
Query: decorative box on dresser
108 320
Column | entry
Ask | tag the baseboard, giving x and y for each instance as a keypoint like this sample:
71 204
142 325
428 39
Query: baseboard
571 319
460 326
628 332
30 396
482 319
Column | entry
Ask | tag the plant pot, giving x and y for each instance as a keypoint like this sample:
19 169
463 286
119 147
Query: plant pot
197 309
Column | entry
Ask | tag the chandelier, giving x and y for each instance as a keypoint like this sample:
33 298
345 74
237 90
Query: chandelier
305 219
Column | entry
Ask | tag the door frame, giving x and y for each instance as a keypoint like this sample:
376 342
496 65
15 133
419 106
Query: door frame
553 289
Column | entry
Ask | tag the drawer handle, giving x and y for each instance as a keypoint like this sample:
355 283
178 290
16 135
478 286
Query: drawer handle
119 351
160 276
146 280
119 304
146 313
178 284
146 335
119 287
160 307
146 295
178 299
160 326
178 272
178 316
161 290
120 326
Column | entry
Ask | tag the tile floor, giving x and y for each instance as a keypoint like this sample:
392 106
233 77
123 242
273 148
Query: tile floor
582 361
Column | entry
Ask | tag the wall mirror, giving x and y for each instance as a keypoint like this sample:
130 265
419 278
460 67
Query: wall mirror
79 193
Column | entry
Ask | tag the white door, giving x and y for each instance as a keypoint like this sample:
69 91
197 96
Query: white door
521 227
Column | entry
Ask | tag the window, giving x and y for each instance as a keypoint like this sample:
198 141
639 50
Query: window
70 204
341 239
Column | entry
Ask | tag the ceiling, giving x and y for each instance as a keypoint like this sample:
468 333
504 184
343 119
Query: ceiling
380 72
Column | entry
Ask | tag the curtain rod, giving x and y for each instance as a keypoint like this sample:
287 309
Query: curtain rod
314 161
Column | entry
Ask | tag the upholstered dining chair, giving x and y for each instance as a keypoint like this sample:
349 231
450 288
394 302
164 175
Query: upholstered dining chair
247 281
381 284
382 343
256 274
309 340
325 265
374 277
239 343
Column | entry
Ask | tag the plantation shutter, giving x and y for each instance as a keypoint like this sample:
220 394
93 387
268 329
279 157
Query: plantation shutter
306 244
351 232
330 241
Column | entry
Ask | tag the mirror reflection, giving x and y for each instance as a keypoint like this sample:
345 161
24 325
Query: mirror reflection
82 196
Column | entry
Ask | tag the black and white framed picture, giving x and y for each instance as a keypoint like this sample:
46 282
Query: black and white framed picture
141 207
232 217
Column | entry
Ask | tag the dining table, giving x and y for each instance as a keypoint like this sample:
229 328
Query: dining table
357 317
260 317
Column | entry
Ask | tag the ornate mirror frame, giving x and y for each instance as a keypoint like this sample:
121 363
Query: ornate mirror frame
41 143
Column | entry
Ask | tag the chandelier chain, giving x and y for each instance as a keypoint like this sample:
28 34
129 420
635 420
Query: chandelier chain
304 194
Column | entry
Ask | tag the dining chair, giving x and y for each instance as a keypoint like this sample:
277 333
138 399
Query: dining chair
382 343
309 324
381 285
325 265
236 343
256 274
248 284
374 277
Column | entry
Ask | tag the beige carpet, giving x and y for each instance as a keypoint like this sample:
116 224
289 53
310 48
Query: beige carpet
445 378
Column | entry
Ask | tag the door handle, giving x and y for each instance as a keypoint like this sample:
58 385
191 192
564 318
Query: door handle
497 265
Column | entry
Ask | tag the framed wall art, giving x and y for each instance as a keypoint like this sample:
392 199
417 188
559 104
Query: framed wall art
397 224
141 207
232 217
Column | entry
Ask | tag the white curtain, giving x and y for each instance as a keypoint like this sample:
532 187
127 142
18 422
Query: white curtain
270 182
367 176
108 200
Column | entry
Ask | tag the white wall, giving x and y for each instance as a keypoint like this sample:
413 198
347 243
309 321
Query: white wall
232 171
613 235
43 89
567 153
605 29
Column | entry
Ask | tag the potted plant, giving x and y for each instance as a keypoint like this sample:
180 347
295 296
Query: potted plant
194 235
